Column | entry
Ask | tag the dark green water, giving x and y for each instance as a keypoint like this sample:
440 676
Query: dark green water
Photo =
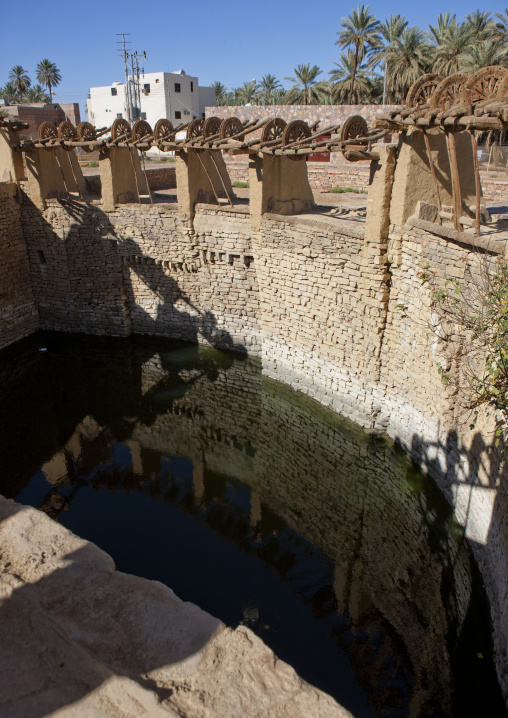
254 502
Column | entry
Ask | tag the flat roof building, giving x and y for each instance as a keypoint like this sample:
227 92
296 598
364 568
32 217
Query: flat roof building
172 95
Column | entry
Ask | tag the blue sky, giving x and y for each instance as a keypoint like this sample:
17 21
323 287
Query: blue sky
228 41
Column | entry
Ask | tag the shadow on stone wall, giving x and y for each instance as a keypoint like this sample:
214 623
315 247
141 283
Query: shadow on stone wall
81 285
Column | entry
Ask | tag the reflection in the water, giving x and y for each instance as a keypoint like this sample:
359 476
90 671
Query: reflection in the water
259 505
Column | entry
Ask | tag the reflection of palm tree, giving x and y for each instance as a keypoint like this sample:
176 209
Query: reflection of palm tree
305 90
48 74
361 30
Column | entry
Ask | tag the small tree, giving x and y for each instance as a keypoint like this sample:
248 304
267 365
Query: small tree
470 320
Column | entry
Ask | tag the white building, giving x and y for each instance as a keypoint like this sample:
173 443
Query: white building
172 95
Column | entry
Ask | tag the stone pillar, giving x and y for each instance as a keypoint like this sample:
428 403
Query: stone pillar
11 161
122 177
45 176
278 185
198 174
413 178
377 221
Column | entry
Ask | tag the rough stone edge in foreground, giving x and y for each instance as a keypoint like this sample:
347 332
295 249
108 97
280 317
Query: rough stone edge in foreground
82 639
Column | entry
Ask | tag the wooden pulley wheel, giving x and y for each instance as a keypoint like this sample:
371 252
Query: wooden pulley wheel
86 133
163 129
195 129
211 127
120 128
482 85
355 127
273 130
48 131
421 90
229 127
502 90
448 91
140 129
293 132
67 131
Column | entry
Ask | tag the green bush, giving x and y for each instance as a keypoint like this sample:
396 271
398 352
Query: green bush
166 159
240 184
93 164
341 190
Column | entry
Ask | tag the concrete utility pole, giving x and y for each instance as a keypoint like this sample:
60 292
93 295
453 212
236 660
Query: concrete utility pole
125 55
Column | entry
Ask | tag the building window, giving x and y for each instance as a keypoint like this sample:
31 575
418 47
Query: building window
177 87
192 86
143 115
114 91
186 112
178 115
146 88
156 80
203 115
118 115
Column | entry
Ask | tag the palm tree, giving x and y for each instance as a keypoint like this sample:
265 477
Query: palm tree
408 61
391 30
449 56
249 92
341 76
19 79
35 94
278 97
220 92
268 85
481 25
502 25
48 74
485 53
8 92
305 90
445 25
360 29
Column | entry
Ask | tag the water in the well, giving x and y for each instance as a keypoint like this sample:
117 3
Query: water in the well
259 505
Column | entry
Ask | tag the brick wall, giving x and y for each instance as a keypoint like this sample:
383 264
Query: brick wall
35 115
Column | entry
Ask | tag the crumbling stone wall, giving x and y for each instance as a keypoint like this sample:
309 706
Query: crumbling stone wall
18 313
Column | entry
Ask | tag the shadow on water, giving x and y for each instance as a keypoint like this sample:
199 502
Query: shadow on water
325 541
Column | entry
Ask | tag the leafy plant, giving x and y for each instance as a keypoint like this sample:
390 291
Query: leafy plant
471 320
93 164
240 184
